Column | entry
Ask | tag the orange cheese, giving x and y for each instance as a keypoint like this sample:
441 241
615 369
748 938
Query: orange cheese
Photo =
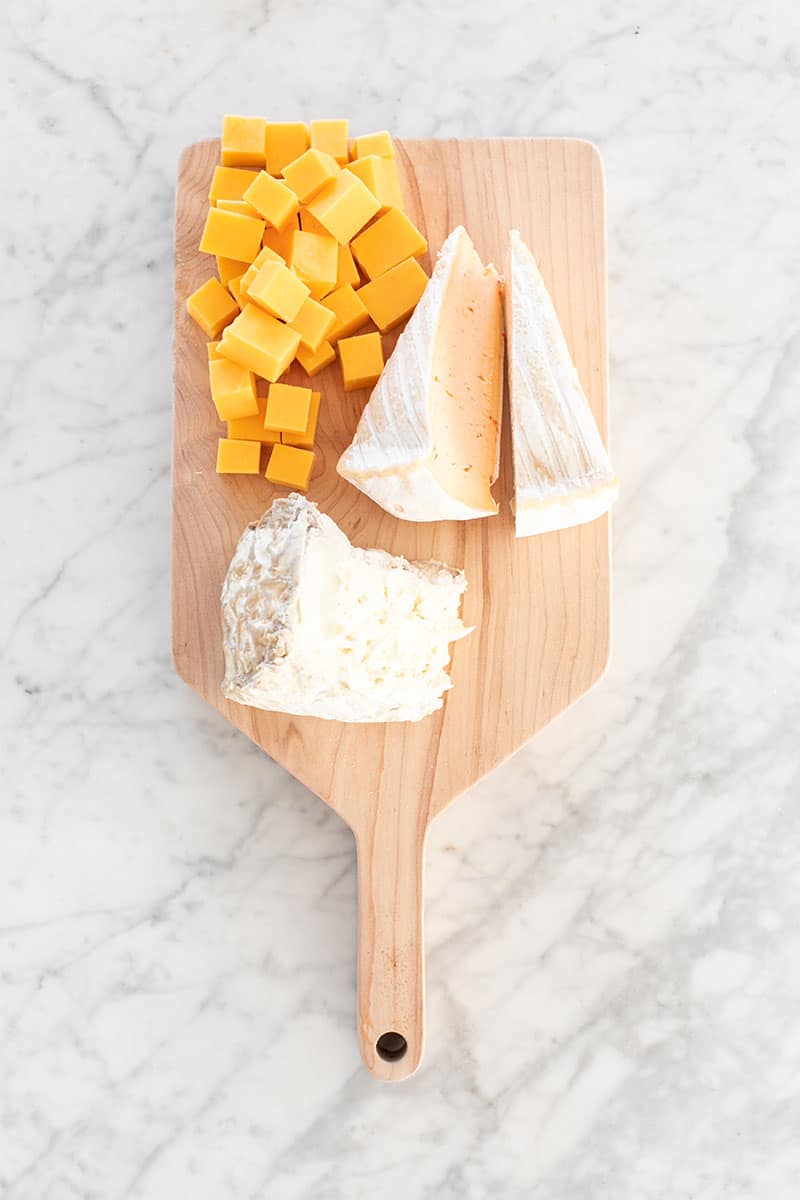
212 307
374 143
362 360
233 389
264 255
288 408
348 310
313 322
238 458
309 173
380 176
275 201
387 242
393 296
314 259
306 438
316 361
344 206
260 342
346 271
213 350
235 289
251 429
283 143
290 467
243 141
332 138
278 290
238 206
229 268
229 183
281 243
310 224
231 235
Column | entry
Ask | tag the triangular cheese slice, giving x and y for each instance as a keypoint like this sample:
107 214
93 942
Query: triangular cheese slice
427 445
562 473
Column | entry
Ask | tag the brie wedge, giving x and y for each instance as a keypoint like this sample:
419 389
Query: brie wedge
427 445
316 627
562 473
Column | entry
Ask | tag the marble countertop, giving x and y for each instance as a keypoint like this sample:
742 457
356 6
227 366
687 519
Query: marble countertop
613 960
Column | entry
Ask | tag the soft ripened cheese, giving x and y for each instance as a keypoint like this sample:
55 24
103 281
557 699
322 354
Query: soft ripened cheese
562 473
316 627
427 445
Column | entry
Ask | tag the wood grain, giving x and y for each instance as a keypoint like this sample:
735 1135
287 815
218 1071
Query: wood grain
540 605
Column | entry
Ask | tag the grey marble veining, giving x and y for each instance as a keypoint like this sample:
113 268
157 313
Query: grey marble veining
614 957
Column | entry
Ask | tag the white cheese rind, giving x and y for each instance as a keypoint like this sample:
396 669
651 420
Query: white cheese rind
316 627
562 473
390 457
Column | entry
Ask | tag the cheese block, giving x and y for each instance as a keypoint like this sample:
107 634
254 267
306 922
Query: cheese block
562 472
427 445
316 627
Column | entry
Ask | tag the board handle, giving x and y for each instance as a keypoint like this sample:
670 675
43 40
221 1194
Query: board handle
391 957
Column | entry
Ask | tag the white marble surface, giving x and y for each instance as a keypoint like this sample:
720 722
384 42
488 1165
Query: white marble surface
614 918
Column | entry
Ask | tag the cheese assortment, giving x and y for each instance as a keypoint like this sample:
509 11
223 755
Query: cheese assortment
349 634
290 208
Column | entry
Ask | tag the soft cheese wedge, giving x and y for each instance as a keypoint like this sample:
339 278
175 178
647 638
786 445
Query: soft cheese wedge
562 473
316 627
427 445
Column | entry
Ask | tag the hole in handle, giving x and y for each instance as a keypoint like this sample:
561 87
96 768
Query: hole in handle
391 1046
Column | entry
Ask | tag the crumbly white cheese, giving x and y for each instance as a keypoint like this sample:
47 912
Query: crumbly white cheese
562 472
316 627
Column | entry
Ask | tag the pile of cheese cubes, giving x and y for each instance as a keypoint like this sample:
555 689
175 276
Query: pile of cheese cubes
297 215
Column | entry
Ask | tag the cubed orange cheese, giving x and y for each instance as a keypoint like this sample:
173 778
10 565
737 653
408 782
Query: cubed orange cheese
344 206
306 438
314 258
243 141
238 206
374 143
213 351
284 142
346 271
310 224
212 307
281 243
315 361
309 173
362 360
233 389
251 429
264 255
313 322
229 183
380 176
230 235
229 268
386 243
235 457
278 290
392 193
235 289
260 342
332 138
348 310
290 467
287 407
275 201
393 296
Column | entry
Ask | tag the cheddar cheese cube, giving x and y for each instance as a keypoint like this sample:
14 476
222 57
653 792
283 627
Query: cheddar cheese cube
309 173
283 143
281 243
315 259
278 290
290 467
212 307
362 360
213 351
310 224
259 342
238 206
243 141
306 438
235 289
346 271
380 176
275 201
233 389
332 138
231 235
374 143
393 296
288 408
264 255
349 312
229 183
235 457
315 361
387 242
251 429
313 322
229 268
344 206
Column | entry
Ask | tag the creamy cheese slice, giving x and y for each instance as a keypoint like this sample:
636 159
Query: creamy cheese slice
427 445
562 472
316 627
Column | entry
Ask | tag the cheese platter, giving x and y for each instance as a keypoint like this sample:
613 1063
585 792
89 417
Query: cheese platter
538 607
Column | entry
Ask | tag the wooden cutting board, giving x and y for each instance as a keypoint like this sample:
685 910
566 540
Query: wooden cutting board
540 605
